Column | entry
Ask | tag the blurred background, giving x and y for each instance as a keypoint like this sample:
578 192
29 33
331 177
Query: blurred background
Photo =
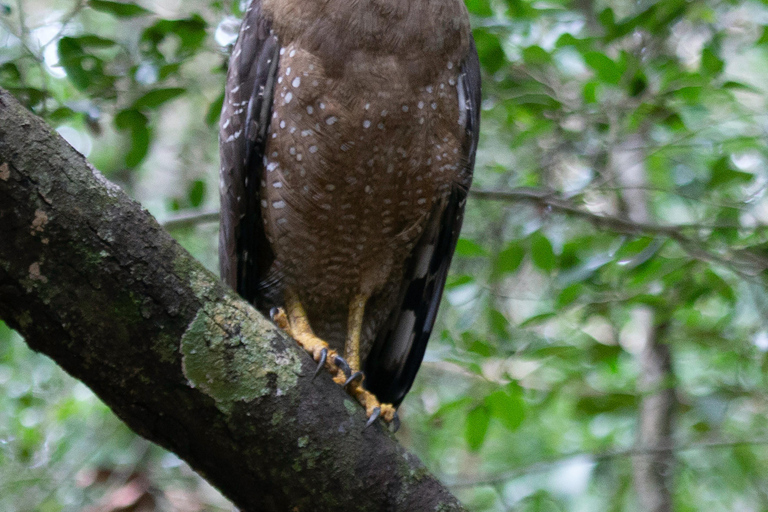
603 335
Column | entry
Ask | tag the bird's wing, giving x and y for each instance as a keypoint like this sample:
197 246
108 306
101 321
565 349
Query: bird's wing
245 256
391 366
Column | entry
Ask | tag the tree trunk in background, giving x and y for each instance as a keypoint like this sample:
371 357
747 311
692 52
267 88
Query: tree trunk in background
90 279
653 471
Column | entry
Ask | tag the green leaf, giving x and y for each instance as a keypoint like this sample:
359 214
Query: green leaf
9 74
214 110
479 7
190 32
130 119
469 249
119 9
740 86
196 193
590 92
612 402
71 59
607 70
137 123
721 173
508 408
537 319
536 55
499 323
508 260
140 138
630 249
569 295
489 50
452 407
94 41
157 97
480 347
478 420
456 281
711 64
542 254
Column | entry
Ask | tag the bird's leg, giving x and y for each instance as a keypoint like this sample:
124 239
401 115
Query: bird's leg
293 320
373 408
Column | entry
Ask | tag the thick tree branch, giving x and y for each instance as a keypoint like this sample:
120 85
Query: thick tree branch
90 279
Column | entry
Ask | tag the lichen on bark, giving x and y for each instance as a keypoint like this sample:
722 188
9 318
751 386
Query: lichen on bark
231 360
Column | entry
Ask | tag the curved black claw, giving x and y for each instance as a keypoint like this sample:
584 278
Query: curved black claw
341 363
353 378
395 422
273 313
321 363
374 417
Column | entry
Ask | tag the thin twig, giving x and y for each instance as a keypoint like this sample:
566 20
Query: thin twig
187 219
546 465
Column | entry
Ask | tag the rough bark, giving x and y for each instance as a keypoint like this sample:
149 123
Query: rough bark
89 278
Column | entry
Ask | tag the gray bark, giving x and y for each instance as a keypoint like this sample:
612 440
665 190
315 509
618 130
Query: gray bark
653 471
89 278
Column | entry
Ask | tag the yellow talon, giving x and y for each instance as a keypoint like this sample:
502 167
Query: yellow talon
293 320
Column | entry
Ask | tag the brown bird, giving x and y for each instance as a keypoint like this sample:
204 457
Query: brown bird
348 138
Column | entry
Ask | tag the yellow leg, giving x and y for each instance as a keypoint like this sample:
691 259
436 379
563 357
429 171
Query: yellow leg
294 321
354 329
352 353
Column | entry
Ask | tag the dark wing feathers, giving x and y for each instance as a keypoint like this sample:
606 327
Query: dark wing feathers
399 347
245 257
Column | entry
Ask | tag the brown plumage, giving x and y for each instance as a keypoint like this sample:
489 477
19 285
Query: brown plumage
348 136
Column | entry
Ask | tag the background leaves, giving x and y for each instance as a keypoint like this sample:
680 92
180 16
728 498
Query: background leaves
623 156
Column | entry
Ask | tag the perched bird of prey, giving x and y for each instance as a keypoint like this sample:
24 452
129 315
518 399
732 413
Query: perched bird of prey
348 138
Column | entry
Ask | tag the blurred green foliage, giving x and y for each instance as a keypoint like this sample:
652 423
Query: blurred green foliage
625 146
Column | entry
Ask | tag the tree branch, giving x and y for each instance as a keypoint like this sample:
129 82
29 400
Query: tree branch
744 263
89 278
653 472
590 457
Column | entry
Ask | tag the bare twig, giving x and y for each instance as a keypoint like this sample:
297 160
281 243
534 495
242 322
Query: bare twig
592 458
187 219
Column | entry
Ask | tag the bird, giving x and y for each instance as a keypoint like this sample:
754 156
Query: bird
348 136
